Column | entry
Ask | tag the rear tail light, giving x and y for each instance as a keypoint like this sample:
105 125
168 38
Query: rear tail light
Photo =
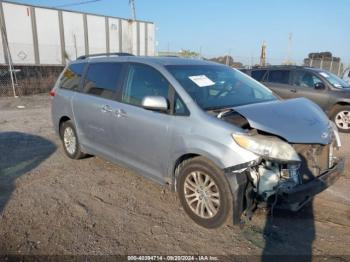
52 93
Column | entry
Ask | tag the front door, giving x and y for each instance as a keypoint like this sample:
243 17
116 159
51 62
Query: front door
144 135
304 83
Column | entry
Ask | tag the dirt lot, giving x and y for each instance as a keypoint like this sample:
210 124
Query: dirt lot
50 204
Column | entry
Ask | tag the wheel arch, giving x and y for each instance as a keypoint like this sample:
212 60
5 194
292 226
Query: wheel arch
183 158
62 120
177 164
342 103
336 106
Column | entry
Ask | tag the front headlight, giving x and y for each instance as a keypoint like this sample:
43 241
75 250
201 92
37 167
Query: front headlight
268 147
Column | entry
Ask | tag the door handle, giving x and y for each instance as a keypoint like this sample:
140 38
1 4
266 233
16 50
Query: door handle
293 90
120 113
106 109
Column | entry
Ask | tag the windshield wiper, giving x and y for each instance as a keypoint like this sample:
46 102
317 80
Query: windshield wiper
214 108
225 112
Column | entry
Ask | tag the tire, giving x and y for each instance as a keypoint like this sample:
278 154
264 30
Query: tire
216 200
70 141
341 117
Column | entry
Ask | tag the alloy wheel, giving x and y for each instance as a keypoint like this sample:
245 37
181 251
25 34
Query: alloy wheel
342 120
70 141
202 194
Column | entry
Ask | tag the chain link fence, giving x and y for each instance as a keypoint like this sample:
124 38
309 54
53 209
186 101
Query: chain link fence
28 80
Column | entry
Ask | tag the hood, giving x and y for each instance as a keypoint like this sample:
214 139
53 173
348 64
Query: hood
296 120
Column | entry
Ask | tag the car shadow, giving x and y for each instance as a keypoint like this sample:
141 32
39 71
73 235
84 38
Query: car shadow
289 235
19 154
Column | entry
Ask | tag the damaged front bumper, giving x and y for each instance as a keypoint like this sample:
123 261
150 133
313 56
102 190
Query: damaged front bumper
296 197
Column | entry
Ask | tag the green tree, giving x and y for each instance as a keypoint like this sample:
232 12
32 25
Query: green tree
188 53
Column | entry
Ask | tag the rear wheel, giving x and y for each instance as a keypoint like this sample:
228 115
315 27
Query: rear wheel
204 192
341 117
70 141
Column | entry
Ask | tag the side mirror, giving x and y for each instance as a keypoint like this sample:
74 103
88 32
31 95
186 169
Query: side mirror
320 85
155 103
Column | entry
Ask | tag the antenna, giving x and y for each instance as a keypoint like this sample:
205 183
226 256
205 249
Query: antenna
133 9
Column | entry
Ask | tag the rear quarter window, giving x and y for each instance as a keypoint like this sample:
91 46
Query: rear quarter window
71 76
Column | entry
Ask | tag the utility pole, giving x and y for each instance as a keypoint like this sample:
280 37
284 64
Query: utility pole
8 57
289 55
133 9
263 55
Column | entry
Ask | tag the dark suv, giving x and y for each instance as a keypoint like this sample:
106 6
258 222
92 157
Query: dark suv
327 90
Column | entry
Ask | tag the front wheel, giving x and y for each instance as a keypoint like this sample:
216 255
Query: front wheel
204 192
341 117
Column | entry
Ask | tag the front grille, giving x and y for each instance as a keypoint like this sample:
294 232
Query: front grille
315 160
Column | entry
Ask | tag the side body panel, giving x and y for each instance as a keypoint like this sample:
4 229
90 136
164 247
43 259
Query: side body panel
142 139
61 107
92 121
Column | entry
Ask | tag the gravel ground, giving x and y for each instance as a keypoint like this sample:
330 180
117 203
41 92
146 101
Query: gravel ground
50 204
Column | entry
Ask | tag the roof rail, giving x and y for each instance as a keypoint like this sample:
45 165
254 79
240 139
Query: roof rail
278 66
103 54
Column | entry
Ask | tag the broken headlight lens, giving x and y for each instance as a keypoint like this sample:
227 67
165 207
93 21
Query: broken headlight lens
268 147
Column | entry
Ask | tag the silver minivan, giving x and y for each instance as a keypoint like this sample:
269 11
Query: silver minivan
220 139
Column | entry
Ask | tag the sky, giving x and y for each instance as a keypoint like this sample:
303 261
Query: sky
236 27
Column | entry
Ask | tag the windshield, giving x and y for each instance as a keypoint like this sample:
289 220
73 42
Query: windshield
334 80
216 86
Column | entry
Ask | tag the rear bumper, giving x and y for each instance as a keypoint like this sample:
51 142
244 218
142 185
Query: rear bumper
295 198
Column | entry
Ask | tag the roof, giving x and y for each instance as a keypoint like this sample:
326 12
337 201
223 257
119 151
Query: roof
284 67
164 61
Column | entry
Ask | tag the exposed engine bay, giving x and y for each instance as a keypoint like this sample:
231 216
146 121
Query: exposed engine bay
269 178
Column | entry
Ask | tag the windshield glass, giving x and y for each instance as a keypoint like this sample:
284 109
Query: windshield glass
334 80
216 86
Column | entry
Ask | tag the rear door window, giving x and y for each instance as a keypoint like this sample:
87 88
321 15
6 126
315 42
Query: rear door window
279 76
258 74
71 76
102 79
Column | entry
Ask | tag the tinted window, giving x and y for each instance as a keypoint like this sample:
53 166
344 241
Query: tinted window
258 74
71 76
305 79
179 107
279 76
102 79
143 81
